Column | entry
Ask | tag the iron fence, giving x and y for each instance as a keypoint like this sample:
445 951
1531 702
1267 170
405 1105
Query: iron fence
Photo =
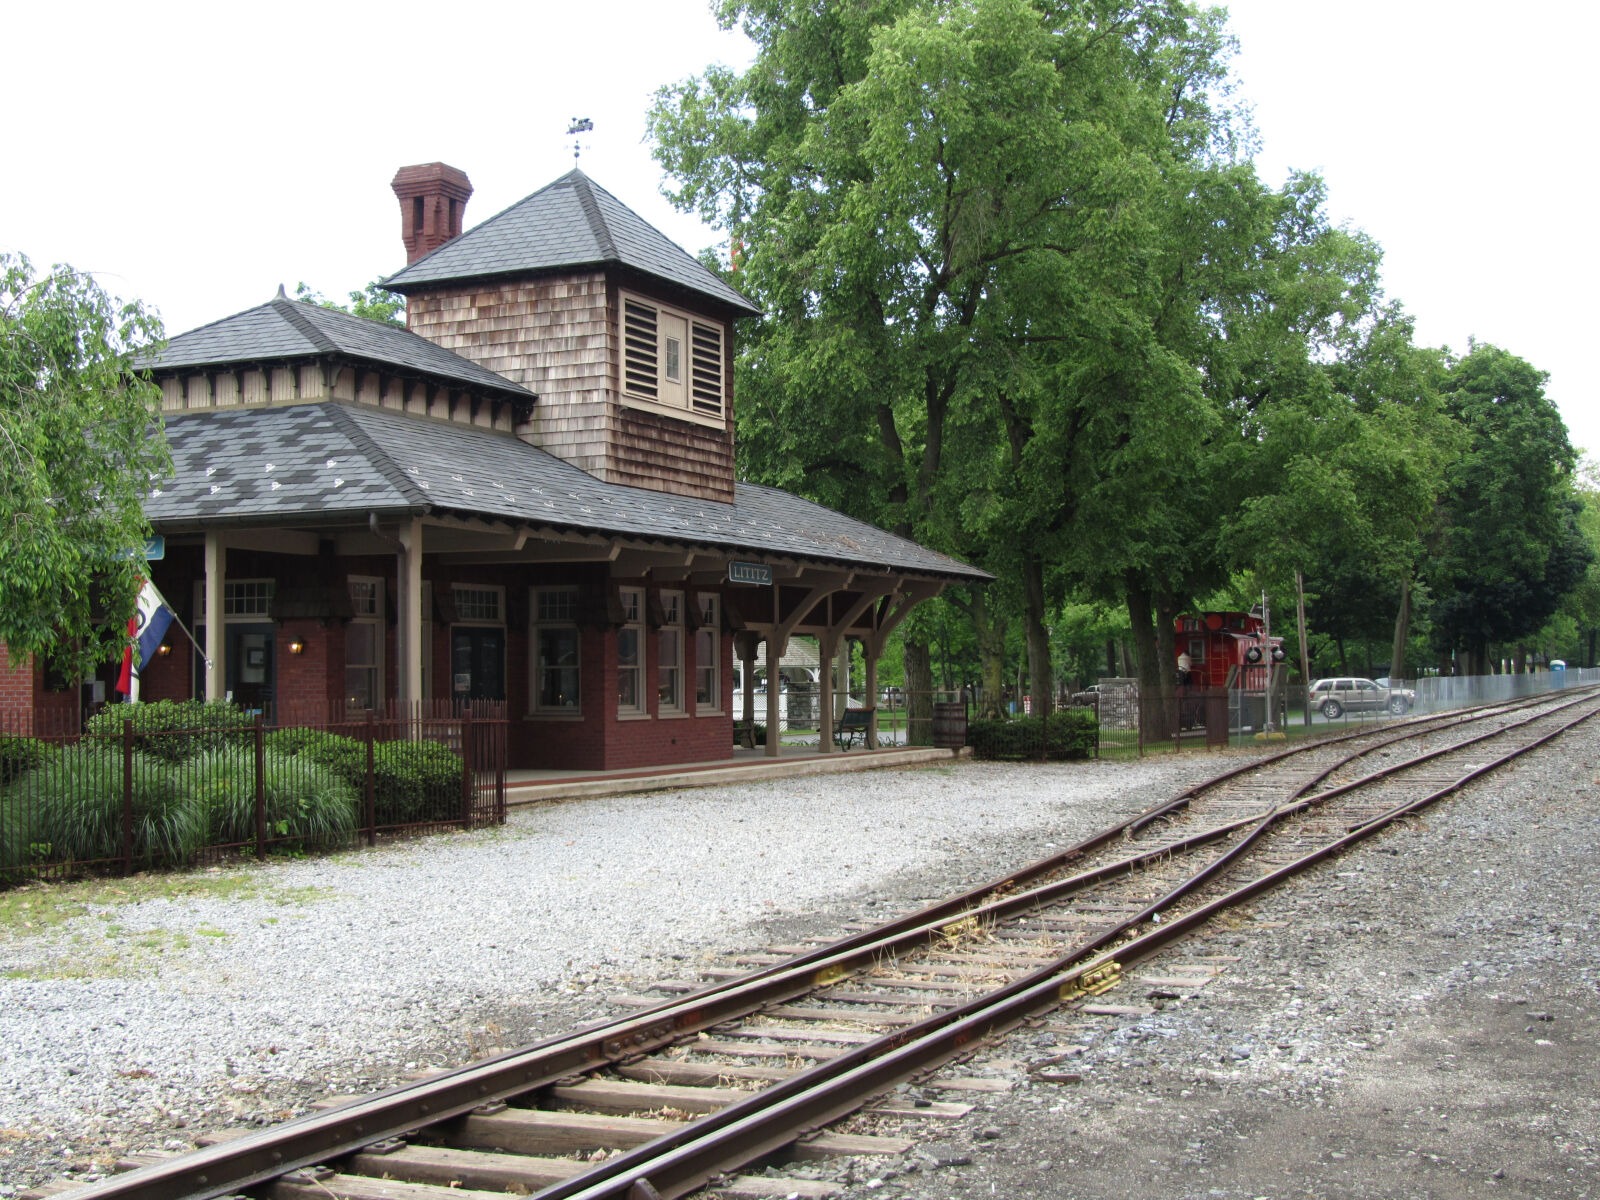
172 785
1214 718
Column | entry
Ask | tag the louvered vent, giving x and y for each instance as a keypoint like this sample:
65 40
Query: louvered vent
639 361
706 369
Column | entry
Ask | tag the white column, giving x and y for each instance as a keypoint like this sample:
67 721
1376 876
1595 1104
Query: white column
408 605
825 712
216 572
872 692
842 678
774 694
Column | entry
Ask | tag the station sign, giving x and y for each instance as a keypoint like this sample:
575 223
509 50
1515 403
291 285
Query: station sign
155 549
740 572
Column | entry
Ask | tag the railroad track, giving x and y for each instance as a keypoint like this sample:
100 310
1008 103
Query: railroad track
703 1081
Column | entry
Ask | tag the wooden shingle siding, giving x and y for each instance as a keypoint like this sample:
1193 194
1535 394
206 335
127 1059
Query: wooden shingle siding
549 335
666 455
558 338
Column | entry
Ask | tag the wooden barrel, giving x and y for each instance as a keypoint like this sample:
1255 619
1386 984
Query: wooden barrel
949 725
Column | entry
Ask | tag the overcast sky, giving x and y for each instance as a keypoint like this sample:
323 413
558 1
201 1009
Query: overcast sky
197 155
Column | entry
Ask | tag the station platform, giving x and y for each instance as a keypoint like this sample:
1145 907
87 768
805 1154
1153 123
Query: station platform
533 786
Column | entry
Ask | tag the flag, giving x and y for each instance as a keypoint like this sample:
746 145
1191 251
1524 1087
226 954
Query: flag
146 629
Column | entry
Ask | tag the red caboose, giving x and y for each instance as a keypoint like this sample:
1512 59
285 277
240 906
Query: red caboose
1211 645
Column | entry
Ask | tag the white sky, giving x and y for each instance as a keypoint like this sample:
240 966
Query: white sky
195 155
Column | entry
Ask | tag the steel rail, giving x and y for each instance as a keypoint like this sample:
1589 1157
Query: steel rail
230 1166
733 1136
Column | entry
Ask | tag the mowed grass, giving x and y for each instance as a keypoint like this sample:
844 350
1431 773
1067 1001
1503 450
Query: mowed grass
115 941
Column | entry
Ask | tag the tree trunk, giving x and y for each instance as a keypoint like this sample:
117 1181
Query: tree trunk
1041 679
1152 714
1167 657
990 627
1111 656
919 694
1402 633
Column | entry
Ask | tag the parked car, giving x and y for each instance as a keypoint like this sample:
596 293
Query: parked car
1335 697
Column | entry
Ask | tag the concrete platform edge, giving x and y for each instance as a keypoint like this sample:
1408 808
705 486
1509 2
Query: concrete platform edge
574 789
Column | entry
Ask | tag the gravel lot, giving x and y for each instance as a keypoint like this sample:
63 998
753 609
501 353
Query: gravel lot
142 1022
1419 1019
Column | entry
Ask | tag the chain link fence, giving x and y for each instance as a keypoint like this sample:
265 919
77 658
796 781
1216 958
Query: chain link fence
1214 718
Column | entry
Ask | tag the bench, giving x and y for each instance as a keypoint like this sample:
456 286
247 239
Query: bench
854 724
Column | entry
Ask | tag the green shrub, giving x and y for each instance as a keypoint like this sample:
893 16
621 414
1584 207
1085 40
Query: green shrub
416 781
412 781
175 730
15 842
76 801
304 800
1072 733
22 754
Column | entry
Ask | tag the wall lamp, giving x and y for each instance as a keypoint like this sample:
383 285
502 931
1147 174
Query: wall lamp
163 650
295 647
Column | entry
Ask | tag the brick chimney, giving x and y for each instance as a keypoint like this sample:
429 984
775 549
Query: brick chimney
433 200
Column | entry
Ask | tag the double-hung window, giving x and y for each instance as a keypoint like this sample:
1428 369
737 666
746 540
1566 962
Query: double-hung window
555 648
672 362
669 654
630 652
707 657
363 645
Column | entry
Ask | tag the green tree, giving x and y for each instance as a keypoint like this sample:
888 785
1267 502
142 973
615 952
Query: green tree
80 449
921 190
374 302
1511 548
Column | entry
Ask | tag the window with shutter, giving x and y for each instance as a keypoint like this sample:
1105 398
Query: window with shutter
672 363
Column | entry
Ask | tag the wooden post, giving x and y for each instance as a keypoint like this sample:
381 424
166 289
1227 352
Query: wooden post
409 601
825 717
216 572
774 688
777 643
1305 653
872 692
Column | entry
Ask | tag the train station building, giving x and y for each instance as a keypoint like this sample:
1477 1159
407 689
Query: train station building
525 496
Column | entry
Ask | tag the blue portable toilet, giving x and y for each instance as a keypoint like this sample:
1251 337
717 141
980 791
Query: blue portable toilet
1558 672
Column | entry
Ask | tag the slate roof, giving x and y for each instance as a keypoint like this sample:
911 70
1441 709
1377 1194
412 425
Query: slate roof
312 461
572 222
287 329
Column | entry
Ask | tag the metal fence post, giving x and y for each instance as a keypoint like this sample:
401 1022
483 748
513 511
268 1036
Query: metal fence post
127 797
261 788
466 767
370 796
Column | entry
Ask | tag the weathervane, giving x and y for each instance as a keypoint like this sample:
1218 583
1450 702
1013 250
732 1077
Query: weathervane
578 125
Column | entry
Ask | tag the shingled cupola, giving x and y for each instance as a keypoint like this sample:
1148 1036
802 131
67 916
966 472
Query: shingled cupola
433 200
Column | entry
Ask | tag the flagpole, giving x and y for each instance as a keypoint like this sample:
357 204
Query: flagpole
178 621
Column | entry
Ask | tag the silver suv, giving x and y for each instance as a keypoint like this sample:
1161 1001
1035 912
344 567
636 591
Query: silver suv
1335 697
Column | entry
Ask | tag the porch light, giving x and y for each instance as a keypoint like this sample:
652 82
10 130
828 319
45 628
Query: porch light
163 650
296 646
